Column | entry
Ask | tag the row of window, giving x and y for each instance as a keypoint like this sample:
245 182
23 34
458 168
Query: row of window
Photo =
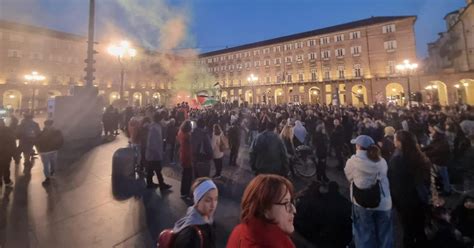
300 77
37 41
12 53
296 45
340 52
357 72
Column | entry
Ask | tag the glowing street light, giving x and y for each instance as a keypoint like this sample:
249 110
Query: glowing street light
33 78
407 69
122 51
251 80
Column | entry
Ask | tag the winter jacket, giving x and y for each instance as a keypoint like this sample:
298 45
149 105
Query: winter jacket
337 137
188 237
438 150
407 194
154 147
184 140
216 146
268 154
363 172
320 142
8 145
258 234
27 131
50 139
201 145
388 147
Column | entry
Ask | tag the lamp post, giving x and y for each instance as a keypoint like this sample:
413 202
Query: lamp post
33 78
251 80
407 68
122 51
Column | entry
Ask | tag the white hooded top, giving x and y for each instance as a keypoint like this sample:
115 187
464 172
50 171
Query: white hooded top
364 173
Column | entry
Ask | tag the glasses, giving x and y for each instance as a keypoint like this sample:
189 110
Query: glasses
289 205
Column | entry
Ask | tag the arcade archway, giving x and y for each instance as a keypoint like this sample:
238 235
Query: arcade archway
114 96
12 99
137 99
249 96
394 93
279 96
359 94
437 92
224 96
465 91
314 95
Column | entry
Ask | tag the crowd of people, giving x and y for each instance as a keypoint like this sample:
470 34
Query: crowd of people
403 159
29 135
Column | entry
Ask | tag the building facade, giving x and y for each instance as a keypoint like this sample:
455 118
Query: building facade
453 53
60 56
354 63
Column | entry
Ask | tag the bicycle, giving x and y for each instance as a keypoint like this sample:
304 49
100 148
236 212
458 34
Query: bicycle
303 163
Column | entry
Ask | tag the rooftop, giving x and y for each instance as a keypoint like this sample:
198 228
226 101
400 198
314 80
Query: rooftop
337 28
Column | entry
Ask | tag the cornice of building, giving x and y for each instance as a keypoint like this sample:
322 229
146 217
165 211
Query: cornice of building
460 15
316 32
20 27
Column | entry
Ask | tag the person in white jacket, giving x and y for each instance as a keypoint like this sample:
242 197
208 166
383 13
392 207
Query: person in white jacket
217 145
372 227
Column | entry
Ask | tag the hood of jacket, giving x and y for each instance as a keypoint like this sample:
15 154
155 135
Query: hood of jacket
192 218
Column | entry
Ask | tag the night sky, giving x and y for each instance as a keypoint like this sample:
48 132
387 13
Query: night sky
216 24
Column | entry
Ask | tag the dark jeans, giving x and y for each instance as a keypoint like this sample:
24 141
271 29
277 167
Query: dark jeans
186 180
218 165
413 223
340 159
321 168
154 167
172 150
26 147
234 152
5 170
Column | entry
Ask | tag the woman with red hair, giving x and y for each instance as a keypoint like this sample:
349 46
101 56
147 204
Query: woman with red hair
267 213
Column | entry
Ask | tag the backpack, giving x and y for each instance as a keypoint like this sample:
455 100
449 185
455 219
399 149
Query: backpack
167 237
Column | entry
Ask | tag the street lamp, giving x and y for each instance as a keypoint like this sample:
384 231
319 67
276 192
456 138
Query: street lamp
251 80
33 78
407 68
122 51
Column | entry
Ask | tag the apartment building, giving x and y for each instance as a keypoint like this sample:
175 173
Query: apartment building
354 62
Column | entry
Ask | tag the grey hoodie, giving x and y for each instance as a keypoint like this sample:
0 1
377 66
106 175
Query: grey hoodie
192 217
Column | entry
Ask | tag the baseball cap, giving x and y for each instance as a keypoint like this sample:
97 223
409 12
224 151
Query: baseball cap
363 140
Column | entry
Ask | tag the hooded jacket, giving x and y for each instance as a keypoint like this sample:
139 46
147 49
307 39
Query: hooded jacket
300 132
363 172
187 236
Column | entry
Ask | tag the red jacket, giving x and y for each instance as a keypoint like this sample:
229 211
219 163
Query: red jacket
258 234
184 140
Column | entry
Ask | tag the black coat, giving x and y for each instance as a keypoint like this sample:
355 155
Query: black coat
320 142
438 150
189 237
406 193
8 145
49 139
